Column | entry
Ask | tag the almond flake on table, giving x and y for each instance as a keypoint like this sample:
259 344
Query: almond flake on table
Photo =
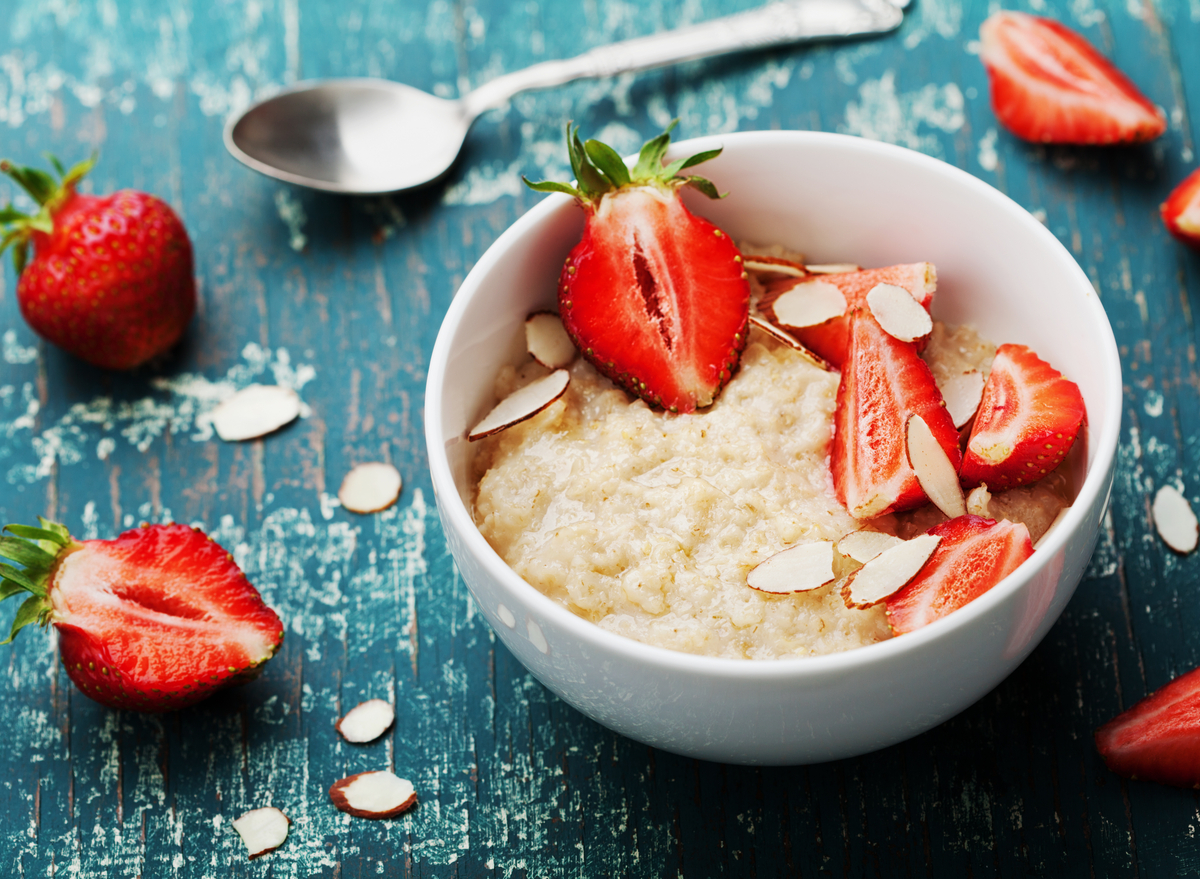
900 315
862 546
366 721
1174 519
800 568
521 404
255 411
370 487
962 394
809 303
781 335
935 471
889 572
262 830
373 795
547 341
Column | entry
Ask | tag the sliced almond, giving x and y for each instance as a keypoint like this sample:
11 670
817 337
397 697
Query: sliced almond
1062 514
547 340
262 830
1174 519
833 268
373 795
369 488
862 546
933 467
809 303
962 394
255 411
366 721
801 568
775 264
978 500
791 341
521 404
900 315
888 573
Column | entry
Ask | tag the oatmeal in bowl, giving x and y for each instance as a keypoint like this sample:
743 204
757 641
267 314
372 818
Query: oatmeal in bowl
613 543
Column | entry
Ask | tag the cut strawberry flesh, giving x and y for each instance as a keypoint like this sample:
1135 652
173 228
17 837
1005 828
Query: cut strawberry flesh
1028 418
884 382
1158 739
1181 210
656 298
974 555
1049 85
831 340
158 618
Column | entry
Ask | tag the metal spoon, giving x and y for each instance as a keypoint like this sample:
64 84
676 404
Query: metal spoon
368 136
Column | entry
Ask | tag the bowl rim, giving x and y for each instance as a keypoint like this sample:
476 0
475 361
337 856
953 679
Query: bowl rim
1103 436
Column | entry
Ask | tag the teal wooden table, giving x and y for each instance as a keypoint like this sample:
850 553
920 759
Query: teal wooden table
341 299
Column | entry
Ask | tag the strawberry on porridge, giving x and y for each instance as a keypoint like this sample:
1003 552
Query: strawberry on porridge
694 483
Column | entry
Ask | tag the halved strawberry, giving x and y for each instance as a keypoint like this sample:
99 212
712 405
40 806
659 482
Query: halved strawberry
1181 210
1027 419
831 339
157 619
1050 85
653 296
1158 739
884 382
974 555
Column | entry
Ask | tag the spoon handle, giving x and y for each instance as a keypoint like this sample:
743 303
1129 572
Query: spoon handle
775 24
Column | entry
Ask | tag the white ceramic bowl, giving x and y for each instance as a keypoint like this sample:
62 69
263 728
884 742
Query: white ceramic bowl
838 199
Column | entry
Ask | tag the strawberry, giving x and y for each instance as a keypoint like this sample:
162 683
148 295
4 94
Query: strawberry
831 339
157 619
974 555
1050 86
653 296
883 383
1027 419
111 277
1181 210
1158 739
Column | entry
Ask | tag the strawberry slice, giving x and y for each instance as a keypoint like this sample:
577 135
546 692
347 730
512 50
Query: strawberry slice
1181 210
974 555
1049 85
831 339
656 298
157 619
1158 739
1027 420
884 382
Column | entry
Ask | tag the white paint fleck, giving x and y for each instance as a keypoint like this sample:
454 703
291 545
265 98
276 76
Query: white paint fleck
989 160
883 114
291 211
15 352
1153 404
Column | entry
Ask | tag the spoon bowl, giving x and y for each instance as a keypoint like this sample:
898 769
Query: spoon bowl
357 136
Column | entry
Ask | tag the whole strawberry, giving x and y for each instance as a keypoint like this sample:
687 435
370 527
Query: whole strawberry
110 280
653 296
154 620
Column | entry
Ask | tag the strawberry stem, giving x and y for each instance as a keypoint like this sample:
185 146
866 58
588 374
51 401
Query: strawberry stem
36 550
16 227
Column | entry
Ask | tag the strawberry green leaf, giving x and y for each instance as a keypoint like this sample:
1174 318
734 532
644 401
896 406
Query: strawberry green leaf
32 610
704 185
58 166
20 256
650 158
552 186
31 533
40 185
78 170
700 157
9 214
9 588
27 554
591 182
22 580
610 164
60 530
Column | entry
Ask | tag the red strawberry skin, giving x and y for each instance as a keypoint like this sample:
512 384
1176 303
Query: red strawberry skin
158 618
656 298
1181 210
975 554
1026 423
883 383
1158 739
1049 85
831 340
113 282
